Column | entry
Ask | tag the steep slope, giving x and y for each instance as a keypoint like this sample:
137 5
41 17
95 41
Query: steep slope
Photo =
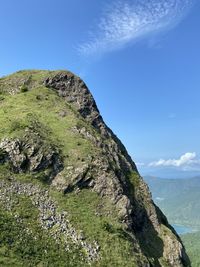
71 184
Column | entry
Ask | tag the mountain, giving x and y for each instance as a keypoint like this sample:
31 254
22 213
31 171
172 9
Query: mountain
179 199
168 172
191 241
70 195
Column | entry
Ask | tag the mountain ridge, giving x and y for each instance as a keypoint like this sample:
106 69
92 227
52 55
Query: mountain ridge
54 134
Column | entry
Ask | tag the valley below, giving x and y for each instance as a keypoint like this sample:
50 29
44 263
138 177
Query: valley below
179 199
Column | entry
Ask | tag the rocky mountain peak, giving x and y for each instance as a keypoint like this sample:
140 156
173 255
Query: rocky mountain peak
53 135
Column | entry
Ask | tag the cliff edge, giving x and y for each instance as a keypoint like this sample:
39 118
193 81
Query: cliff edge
70 193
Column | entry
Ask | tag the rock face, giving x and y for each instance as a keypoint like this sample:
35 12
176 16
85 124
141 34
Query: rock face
56 223
111 169
109 172
25 156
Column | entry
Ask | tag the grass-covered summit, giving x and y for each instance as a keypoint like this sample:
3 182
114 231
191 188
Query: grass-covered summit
70 195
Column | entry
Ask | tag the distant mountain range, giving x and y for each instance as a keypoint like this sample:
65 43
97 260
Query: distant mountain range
179 199
168 172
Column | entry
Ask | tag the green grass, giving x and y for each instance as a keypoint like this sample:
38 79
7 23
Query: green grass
24 243
38 111
95 217
134 180
98 219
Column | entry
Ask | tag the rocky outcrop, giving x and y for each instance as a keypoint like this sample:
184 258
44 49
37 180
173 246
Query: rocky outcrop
109 172
75 91
111 169
56 223
29 156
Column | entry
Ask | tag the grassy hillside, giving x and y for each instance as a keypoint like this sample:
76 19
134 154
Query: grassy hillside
43 112
70 195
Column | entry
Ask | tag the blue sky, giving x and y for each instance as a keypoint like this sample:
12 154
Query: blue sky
140 59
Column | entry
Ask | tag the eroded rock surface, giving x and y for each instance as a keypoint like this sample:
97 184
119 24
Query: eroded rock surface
55 222
28 156
109 172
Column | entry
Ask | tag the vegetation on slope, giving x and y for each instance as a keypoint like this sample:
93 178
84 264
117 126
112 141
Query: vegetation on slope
192 244
53 153
24 243
42 111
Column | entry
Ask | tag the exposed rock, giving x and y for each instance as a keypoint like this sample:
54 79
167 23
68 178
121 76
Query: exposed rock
57 223
26 156
110 172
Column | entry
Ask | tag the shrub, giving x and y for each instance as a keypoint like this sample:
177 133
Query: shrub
108 227
15 125
24 89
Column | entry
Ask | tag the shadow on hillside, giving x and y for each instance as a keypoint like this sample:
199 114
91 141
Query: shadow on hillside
151 244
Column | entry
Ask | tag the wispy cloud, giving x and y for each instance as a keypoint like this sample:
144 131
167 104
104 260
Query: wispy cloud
140 164
187 161
127 20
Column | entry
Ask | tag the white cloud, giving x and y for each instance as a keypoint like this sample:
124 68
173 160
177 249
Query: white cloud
127 20
160 198
186 161
140 164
